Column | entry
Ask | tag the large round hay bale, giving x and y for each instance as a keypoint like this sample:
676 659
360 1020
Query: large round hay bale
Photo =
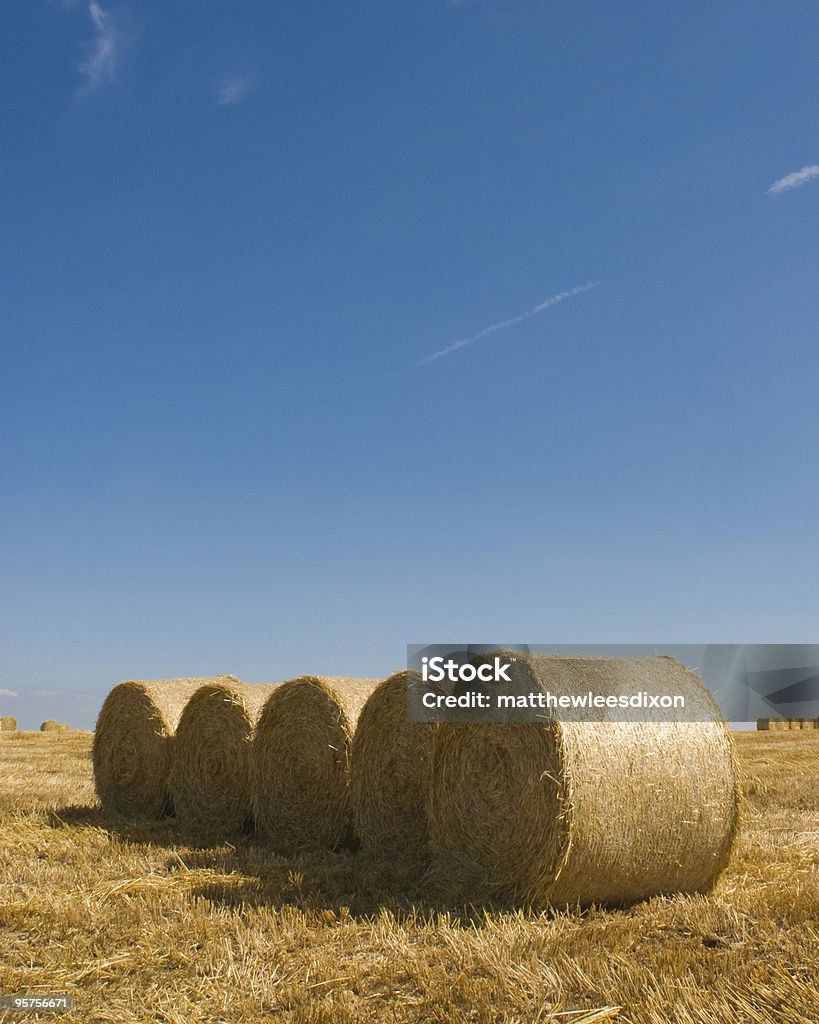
133 744
8 723
389 774
49 725
210 774
301 761
578 812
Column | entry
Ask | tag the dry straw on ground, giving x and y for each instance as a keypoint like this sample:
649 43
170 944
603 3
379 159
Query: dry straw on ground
210 775
389 774
133 744
567 813
301 761
8 723
49 725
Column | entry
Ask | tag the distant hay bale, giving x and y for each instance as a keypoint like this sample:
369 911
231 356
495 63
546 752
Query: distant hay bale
8 723
210 775
805 723
63 727
763 724
389 774
566 812
49 725
777 725
793 723
301 761
132 745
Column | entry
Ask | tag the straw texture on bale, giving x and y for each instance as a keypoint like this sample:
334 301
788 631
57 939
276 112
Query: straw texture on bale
63 727
8 724
566 812
389 774
763 724
133 744
210 774
777 725
49 725
301 761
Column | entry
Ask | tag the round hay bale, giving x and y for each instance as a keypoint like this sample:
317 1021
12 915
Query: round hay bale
63 727
389 774
132 745
210 774
301 761
567 812
763 724
8 723
49 725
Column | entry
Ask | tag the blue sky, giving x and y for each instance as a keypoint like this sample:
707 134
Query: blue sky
232 236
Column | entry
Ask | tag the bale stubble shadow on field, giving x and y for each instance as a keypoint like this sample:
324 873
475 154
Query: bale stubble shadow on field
148 922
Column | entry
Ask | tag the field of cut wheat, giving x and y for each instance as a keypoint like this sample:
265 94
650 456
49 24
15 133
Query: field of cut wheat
152 923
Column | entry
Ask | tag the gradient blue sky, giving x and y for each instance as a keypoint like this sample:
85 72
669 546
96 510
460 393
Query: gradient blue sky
231 233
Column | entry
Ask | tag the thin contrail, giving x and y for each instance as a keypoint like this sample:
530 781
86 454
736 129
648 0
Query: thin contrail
553 301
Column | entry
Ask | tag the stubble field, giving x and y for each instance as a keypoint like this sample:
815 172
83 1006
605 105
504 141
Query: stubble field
147 923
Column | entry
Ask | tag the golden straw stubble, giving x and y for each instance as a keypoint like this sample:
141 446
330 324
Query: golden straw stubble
210 781
389 773
566 812
133 741
301 761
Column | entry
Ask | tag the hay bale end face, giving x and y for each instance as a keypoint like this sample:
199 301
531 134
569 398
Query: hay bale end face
301 761
389 774
8 723
132 746
565 813
210 781
49 725
763 724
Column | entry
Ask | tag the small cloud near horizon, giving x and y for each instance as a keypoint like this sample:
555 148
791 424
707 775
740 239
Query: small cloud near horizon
8 693
795 179
232 90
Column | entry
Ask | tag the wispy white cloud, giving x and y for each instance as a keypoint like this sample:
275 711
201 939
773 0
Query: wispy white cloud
795 179
8 693
233 89
101 64
503 324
